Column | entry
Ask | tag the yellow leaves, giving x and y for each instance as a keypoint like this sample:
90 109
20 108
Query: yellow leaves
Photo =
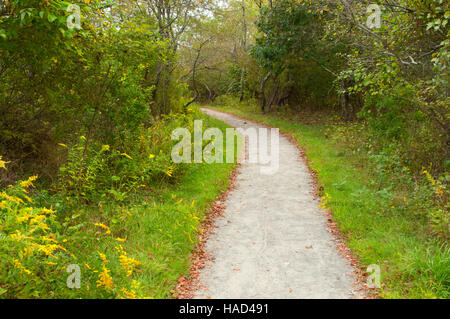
61 144
3 163
104 279
151 156
106 228
121 239
105 148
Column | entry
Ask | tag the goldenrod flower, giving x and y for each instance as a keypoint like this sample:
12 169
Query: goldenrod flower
105 280
51 263
128 264
3 163
106 228
102 257
18 265
29 182
128 294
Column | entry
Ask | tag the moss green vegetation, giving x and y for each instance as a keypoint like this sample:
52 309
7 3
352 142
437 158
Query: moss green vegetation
382 223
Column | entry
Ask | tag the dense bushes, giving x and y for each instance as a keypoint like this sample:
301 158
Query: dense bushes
88 216
59 83
35 253
90 109
143 158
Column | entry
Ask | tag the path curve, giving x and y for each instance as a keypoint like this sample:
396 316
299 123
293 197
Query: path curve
273 240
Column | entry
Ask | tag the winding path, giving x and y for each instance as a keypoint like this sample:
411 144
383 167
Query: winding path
273 239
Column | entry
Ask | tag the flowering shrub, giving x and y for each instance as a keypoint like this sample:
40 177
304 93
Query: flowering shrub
91 172
31 249
35 252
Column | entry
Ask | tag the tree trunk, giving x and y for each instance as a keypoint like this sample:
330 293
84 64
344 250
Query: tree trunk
244 23
261 91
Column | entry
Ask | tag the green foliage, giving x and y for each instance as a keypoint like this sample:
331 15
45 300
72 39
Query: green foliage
58 84
144 157
130 241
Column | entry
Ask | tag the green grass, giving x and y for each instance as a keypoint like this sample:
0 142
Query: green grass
413 264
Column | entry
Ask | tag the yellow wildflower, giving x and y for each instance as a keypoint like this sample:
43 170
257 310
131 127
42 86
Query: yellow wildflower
51 263
128 294
27 252
12 198
128 264
18 265
49 249
102 257
29 182
3 163
106 228
47 211
105 280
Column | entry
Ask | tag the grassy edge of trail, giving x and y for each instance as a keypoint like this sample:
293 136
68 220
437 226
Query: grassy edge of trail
163 228
412 263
